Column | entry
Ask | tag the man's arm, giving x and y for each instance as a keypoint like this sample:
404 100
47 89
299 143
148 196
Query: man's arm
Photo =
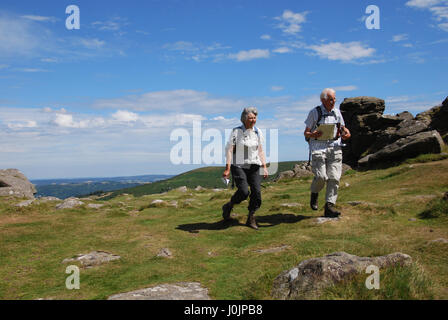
308 134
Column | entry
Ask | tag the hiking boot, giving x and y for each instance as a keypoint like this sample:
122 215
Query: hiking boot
226 209
251 221
313 201
330 211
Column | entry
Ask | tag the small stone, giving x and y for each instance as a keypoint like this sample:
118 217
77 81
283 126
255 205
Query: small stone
25 203
412 219
95 205
165 253
93 258
273 250
291 205
46 199
321 220
69 203
440 240
175 291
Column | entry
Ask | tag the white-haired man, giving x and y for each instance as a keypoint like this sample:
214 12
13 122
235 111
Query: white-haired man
326 155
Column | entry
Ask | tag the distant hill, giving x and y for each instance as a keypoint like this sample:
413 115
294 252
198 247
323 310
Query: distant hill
65 188
207 177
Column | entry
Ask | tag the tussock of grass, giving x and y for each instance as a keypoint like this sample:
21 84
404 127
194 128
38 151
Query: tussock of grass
397 283
436 208
423 158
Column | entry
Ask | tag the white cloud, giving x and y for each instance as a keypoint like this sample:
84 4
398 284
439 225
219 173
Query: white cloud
21 37
443 26
39 18
399 37
250 55
31 70
277 88
181 46
290 22
91 43
438 8
422 3
114 24
345 52
66 121
346 88
21 125
171 101
49 60
282 50
125 116
265 37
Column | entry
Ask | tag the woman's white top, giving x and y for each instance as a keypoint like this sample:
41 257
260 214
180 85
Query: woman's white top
246 142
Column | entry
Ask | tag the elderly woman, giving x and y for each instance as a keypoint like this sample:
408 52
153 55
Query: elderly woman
244 157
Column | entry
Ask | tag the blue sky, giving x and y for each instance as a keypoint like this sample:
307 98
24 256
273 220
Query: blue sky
104 99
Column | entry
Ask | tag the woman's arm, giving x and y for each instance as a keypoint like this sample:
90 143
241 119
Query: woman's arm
229 154
263 161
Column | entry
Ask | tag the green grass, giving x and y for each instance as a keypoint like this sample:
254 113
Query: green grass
223 257
436 208
397 283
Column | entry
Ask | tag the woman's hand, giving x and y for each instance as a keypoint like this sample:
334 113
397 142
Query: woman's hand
226 173
265 173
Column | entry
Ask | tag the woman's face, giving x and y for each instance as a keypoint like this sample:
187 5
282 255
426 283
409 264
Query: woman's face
250 121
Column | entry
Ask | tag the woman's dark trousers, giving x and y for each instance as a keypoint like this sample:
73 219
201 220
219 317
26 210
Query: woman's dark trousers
245 178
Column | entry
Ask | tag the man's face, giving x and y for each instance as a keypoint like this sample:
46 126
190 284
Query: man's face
330 101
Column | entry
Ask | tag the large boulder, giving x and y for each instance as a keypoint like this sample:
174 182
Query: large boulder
306 280
372 132
14 183
436 117
363 117
404 148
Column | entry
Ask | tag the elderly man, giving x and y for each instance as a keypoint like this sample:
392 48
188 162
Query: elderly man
326 155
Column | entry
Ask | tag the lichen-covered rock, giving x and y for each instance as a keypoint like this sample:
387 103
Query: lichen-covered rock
69 203
174 291
404 148
306 280
14 183
92 259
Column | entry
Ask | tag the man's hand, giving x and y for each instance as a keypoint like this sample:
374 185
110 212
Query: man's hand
316 134
345 134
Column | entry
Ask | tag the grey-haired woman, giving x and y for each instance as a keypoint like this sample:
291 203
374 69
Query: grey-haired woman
244 158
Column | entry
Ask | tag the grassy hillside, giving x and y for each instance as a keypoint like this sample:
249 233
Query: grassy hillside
399 209
208 177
